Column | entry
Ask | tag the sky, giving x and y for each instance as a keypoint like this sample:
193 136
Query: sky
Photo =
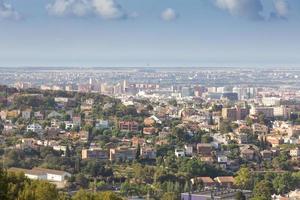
158 33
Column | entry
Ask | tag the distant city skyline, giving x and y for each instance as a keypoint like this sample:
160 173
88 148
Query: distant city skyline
169 33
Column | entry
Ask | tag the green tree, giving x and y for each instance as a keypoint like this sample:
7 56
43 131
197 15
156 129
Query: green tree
107 196
169 196
243 178
83 195
39 190
263 190
283 183
225 126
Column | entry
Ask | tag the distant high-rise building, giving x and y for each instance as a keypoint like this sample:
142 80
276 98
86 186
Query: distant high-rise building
266 111
235 113
124 86
185 91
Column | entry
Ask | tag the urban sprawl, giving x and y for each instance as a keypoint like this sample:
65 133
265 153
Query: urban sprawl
149 133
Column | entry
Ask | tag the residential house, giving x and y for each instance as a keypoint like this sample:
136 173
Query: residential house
76 120
43 174
149 130
189 150
69 125
222 161
179 153
235 113
128 126
204 149
205 180
102 124
4 114
28 142
61 148
266 155
122 153
38 115
247 153
95 153
225 181
227 194
295 153
274 140
136 141
149 121
259 129
164 133
86 107
26 114
242 138
148 152
36 128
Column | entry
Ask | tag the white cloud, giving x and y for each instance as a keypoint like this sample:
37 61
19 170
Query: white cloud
107 9
8 12
250 9
281 7
69 7
169 14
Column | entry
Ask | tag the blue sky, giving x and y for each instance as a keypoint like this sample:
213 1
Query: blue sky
116 33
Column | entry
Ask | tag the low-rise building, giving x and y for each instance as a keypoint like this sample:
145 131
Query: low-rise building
259 129
43 174
248 153
206 181
274 140
122 153
268 112
95 153
204 149
149 130
128 126
102 124
179 153
266 155
235 113
295 153
36 128
38 115
189 150
225 181
148 153
26 114
216 194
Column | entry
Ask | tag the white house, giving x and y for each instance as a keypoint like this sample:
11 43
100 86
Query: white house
158 121
188 150
54 175
60 148
69 125
222 159
179 153
102 124
26 114
295 152
34 128
43 174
